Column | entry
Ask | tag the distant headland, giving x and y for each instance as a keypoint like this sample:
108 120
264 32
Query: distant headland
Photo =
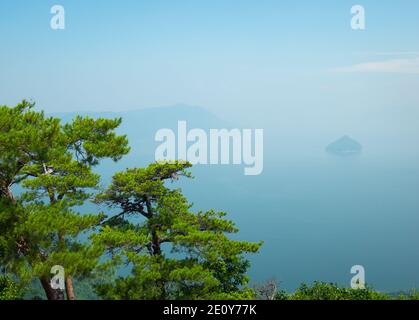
344 146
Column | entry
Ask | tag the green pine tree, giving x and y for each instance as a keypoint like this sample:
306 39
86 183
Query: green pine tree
52 165
173 252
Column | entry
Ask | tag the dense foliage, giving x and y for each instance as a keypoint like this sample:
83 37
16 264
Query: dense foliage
9 290
330 291
174 253
46 175
51 164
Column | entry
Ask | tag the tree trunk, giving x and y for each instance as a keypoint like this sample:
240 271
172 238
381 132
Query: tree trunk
8 194
155 244
69 288
52 294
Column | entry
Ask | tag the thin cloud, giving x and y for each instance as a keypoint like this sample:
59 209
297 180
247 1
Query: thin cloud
405 66
389 53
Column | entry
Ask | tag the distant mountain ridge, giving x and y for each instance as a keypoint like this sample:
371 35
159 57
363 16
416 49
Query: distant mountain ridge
141 126
161 115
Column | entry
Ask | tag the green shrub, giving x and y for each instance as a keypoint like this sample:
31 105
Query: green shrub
330 291
412 295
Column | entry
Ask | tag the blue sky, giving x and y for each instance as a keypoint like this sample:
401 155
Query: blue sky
236 58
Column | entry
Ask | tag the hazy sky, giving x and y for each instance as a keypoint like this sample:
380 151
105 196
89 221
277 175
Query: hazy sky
259 59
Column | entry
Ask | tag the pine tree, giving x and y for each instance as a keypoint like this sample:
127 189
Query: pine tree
52 165
173 252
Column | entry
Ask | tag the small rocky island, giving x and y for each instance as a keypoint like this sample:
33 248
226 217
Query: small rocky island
345 146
